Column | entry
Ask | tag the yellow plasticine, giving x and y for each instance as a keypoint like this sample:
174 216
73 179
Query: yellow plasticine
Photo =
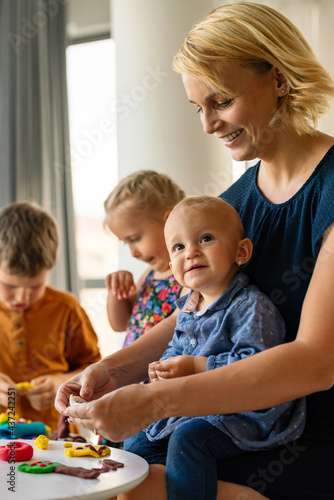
42 442
67 445
3 418
85 451
25 385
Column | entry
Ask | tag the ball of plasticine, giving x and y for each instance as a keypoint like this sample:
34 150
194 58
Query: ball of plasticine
76 400
42 442
3 418
16 451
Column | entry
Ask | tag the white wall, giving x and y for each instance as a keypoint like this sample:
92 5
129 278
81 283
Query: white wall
157 127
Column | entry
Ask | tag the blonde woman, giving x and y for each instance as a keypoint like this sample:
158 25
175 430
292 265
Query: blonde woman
259 88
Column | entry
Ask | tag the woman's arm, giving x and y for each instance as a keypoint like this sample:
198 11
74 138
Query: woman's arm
277 375
125 366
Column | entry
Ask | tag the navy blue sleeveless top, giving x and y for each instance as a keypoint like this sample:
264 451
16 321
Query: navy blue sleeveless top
287 238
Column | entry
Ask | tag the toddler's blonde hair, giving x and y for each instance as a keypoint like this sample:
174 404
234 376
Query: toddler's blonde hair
224 210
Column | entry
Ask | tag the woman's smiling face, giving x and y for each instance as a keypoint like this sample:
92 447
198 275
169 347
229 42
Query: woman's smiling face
242 118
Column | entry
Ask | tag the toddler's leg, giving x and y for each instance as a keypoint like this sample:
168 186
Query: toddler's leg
191 460
154 452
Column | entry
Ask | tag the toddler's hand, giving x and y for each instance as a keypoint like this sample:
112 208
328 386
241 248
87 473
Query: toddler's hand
120 284
178 366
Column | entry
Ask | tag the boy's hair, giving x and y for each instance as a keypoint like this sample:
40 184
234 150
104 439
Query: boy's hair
146 191
258 37
216 203
28 239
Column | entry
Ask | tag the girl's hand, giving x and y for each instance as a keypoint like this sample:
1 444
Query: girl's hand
120 284
177 366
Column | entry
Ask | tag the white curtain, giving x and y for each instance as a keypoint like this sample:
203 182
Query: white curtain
34 135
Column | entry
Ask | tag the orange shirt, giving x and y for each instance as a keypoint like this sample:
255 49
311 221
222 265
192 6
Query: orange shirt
52 336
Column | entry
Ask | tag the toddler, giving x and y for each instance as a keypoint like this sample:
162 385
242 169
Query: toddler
45 336
136 212
221 320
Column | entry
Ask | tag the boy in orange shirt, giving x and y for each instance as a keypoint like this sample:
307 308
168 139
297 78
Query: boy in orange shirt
45 335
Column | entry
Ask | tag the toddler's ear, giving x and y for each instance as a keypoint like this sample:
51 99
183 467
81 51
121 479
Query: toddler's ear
244 253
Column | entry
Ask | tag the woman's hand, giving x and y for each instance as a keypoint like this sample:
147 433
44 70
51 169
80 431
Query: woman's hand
92 383
120 414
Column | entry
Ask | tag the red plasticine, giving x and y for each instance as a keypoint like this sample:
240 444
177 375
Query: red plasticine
16 451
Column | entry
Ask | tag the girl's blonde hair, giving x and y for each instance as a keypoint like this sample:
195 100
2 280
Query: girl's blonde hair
146 191
258 37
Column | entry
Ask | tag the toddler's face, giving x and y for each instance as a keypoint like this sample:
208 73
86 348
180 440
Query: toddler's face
18 292
144 237
202 248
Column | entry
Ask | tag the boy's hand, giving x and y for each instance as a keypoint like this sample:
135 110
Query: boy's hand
177 366
120 284
5 383
42 396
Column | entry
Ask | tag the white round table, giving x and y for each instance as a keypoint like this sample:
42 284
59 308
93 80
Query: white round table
55 486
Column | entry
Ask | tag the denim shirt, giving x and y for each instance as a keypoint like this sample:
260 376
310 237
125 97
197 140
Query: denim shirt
240 323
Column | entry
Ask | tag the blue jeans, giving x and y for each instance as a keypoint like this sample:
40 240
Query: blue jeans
190 455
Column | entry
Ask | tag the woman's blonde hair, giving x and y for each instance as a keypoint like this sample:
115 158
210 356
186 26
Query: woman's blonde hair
258 37
144 191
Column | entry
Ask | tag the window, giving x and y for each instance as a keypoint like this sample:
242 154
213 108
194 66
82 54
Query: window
92 97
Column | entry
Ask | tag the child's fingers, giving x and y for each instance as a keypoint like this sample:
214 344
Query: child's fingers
121 283
164 369
152 371
107 282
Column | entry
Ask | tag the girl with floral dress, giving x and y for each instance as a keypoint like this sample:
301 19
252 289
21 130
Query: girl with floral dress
136 211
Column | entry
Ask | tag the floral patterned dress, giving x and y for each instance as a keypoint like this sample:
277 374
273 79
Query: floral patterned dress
155 301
